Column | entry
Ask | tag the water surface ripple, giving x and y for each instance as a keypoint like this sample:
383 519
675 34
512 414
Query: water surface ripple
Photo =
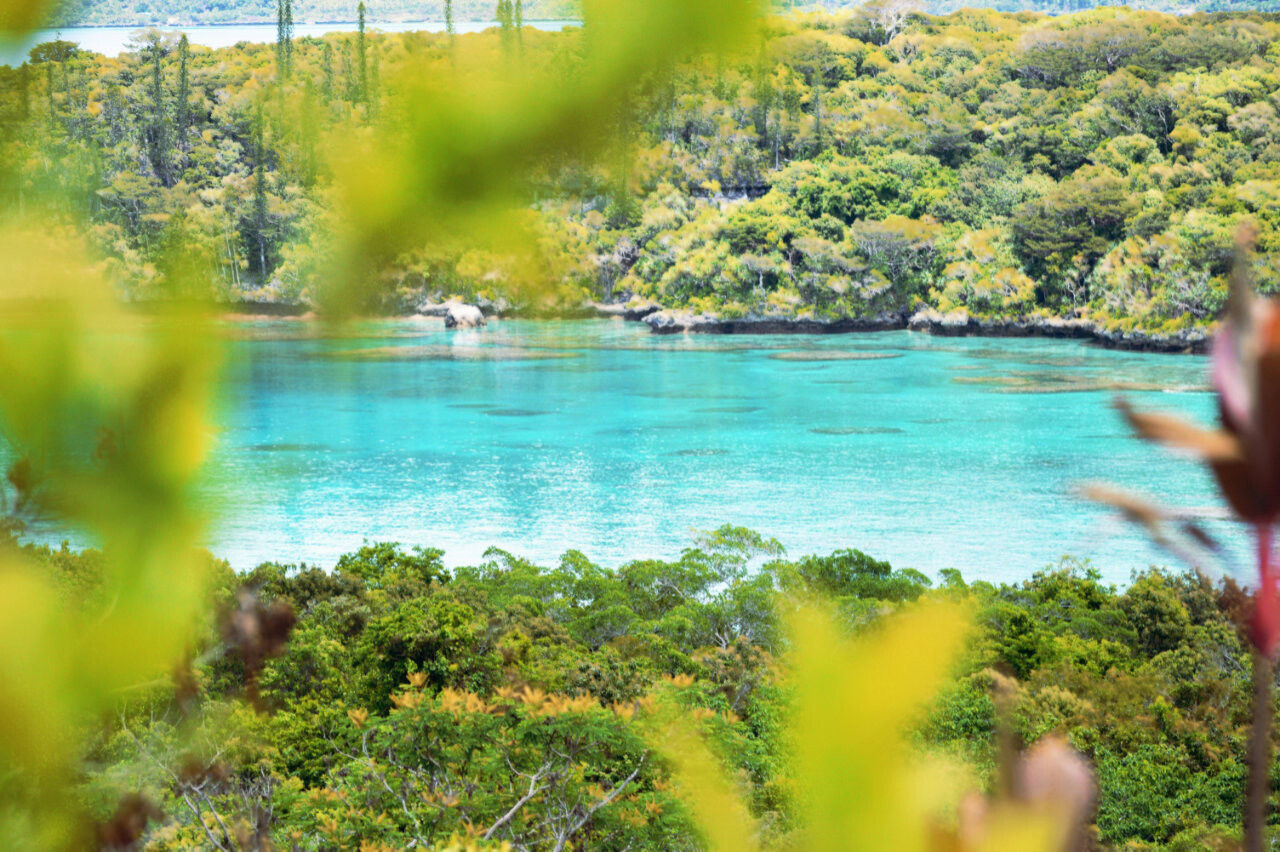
955 453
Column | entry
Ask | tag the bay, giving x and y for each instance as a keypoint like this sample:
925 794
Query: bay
539 437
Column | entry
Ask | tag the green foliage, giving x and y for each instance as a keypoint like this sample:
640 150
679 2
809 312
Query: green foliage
1008 167
832 172
413 704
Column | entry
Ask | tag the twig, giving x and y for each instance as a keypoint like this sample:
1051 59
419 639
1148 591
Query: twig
534 789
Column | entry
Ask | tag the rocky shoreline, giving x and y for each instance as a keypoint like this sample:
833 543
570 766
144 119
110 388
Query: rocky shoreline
660 320
957 324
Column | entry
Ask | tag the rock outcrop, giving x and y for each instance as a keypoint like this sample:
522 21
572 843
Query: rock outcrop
675 321
960 324
634 310
460 315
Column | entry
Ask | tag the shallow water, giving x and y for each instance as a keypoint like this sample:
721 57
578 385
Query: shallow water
623 449
954 453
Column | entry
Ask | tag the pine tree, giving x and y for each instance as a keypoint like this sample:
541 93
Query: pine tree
24 82
280 37
448 20
362 54
157 132
284 38
519 24
622 210
763 85
326 58
182 111
260 204
49 89
506 16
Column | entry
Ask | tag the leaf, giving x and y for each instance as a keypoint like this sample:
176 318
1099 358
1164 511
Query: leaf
452 165
726 822
854 701
19 16
111 410
1214 445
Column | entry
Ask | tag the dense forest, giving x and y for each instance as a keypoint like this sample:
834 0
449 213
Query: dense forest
507 701
870 163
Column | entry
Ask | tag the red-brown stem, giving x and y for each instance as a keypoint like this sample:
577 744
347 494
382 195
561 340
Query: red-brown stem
1255 808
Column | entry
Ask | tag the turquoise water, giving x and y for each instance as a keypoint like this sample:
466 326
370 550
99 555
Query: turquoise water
540 437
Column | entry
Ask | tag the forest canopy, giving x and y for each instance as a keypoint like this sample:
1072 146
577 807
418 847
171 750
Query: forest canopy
867 163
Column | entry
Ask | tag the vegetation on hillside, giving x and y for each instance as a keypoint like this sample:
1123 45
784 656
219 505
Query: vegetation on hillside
514 702
1008 166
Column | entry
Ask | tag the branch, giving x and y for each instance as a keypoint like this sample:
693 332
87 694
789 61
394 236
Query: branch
613 794
534 790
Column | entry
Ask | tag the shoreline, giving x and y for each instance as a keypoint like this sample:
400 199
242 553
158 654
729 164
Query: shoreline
1193 341
666 321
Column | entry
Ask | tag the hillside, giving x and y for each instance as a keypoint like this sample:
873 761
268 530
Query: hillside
856 167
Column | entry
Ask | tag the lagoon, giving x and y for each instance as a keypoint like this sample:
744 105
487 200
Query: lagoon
539 437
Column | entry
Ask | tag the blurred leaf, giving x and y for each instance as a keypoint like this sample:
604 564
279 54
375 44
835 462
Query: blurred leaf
726 822
462 136
17 16
110 409
860 786
854 700
1211 444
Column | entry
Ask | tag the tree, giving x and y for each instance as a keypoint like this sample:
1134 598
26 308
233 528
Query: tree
182 98
284 38
897 246
1072 226
260 214
518 21
157 128
326 62
505 15
362 56
886 18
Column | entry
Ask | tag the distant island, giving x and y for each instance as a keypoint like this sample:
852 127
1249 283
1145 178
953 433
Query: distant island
188 12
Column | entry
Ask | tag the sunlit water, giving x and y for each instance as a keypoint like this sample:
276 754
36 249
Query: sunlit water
111 41
540 437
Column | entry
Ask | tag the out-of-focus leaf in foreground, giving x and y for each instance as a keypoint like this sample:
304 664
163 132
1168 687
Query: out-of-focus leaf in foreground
461 137
858 784
18 16
860 787
725 821
107 410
